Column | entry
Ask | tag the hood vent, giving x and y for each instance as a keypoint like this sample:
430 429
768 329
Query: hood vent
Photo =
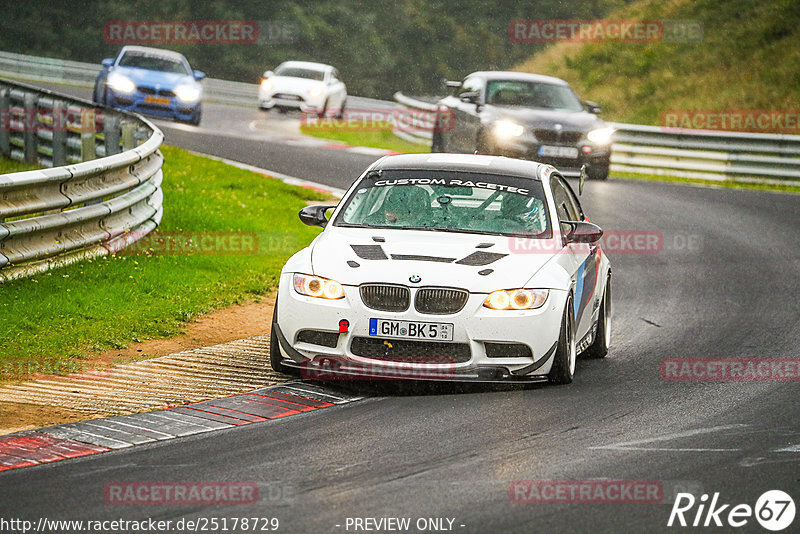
479 259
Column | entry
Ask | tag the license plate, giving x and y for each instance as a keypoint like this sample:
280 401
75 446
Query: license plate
411 330
570 152
157 100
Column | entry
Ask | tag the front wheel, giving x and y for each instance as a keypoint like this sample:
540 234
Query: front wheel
563 369
275 354
602 340
437 143
598 172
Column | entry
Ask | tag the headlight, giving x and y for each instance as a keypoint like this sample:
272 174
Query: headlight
516 299
315 286
121 83
266 85
601 136
506 129
315 91
187 93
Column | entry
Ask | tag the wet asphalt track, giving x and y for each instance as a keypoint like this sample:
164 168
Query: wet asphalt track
724 285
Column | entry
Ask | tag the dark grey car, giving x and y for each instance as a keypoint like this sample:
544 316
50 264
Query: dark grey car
526 116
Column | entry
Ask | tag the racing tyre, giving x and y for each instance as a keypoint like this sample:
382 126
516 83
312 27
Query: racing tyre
275 354
602 340
437 144
563 369
324 110
195 121
340 115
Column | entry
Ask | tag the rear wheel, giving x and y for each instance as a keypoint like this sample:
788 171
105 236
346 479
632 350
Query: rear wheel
602 339
275 354
563 369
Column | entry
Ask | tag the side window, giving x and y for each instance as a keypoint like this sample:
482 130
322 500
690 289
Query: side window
564 207
575 207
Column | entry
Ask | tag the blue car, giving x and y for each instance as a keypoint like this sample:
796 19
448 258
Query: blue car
152 81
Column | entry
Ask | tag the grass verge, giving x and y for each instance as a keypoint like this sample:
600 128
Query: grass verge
378 135
229 231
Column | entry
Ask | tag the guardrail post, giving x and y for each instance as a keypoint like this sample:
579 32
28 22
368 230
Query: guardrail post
29 128
88 129
59 141
5 122
111 130
127 135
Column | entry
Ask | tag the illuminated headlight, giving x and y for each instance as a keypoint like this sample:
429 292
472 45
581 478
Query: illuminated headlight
121 84
506 129
315 91
266 85
516 299
187 93
314 286
601 136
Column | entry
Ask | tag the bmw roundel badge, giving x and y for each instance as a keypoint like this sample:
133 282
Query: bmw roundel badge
414 279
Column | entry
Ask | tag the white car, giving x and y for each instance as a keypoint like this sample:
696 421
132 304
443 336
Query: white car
309 87
446 266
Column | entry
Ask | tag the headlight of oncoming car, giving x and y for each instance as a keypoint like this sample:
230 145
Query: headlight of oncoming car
315 286
315 91
187 93
266 85
505 129
601 136
121 83
516 299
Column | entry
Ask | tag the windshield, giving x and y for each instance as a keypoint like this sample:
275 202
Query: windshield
300 72
532 95
153 62
448 201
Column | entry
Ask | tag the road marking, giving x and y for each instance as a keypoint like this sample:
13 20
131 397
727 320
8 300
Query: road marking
634 445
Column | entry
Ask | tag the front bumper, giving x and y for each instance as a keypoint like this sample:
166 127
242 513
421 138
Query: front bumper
475 328
288 100
139 102
528 148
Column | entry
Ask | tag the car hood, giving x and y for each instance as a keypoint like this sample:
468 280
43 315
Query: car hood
155 77
289 83
547 119
438 258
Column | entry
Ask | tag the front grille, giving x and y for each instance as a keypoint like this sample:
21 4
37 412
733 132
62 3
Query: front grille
553 137
507 350
385 297
410 351
440 300
318 337
166 92
146 90
284 96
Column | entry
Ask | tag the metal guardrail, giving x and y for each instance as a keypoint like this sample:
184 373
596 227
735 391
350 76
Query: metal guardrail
80 74
107 199
652 150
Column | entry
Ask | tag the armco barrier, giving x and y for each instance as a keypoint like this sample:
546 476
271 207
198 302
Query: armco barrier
108 198
653 150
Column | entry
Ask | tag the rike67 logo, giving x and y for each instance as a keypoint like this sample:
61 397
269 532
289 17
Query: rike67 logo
774 510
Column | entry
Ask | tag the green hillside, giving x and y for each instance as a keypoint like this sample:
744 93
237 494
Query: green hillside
748 58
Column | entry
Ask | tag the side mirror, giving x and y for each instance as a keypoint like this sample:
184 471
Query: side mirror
592 107
471 97
583 232
108 62
199 75
315 215
268 74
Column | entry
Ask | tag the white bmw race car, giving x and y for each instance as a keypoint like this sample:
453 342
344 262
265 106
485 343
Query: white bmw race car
446 267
